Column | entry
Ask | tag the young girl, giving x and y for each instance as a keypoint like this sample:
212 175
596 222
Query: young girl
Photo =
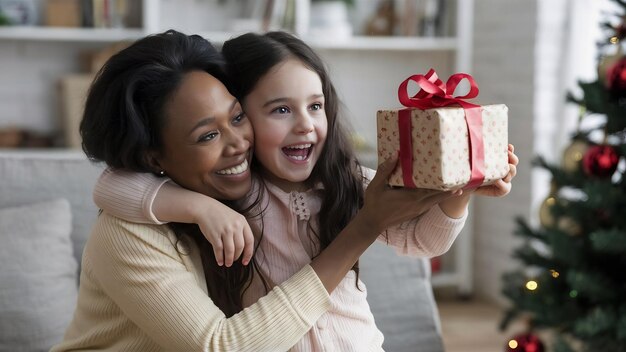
310 186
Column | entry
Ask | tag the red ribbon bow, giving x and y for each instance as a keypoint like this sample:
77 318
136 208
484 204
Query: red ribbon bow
434 94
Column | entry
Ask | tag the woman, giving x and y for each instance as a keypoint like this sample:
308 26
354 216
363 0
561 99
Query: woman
144 287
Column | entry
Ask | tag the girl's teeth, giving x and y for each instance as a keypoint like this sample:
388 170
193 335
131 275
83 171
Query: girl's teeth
298 152
302 146
235 170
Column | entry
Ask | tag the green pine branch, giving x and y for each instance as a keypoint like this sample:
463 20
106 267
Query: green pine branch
610 241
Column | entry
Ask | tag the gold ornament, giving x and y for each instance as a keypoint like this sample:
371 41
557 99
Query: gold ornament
545 211
573 155
569 226
606 63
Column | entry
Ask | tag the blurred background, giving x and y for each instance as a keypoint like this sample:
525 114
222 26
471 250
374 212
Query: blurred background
525 54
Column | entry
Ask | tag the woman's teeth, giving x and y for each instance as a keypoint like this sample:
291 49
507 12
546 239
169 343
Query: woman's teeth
241 168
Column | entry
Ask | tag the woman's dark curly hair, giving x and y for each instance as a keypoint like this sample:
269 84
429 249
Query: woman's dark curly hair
124 121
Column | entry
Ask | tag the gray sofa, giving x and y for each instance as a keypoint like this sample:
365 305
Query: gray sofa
46 212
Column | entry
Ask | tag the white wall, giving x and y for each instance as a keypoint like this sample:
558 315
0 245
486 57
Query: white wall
503 66
29 75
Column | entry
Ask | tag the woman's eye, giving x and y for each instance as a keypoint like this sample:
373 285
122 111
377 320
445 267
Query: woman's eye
208 137
240 117
281 110
316 106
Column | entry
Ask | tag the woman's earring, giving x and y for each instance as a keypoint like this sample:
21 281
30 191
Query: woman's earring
162 173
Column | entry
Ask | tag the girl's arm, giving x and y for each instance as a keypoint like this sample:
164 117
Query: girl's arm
146 198
433 233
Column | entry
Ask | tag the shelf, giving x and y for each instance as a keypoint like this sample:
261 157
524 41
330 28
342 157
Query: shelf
33 33
360 42
384 43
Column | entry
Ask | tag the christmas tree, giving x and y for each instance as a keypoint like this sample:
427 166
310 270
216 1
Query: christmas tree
573 283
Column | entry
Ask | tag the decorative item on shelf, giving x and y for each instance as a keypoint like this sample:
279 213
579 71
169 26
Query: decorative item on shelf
329 19
72 93
573 155
432 18
92 61
63 13
20 12
600 161
12 137
4 20
383 21
527 342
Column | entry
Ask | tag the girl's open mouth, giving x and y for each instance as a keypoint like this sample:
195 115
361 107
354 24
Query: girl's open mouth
299 152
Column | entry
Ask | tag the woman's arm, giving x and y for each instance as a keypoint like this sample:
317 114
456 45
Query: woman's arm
140 269
146 198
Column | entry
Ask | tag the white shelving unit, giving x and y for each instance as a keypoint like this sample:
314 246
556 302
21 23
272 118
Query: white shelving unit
458 48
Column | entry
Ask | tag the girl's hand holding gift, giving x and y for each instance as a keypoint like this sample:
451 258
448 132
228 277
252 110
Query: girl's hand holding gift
386 206
501 187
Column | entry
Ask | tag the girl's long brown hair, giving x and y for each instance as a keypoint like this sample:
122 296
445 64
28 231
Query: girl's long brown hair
249 57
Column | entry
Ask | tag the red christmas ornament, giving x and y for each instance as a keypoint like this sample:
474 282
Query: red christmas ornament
525 343
616 79
600 161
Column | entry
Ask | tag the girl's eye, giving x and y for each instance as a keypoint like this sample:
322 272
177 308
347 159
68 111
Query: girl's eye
208 137
239 118
316 106
281 110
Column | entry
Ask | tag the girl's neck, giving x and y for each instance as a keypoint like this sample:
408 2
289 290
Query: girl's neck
285 185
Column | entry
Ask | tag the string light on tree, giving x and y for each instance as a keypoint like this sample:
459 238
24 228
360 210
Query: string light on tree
531 285
525 343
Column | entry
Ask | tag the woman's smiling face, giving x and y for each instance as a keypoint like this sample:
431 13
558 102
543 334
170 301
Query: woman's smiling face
286 108
207 139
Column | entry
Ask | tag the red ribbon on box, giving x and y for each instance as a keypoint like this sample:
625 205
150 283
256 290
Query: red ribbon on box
434 94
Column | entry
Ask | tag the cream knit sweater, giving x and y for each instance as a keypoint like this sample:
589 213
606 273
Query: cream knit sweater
139 292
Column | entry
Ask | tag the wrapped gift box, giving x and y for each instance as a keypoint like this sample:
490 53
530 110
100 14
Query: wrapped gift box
440 145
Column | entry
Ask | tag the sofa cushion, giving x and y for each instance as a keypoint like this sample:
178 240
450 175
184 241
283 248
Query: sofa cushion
38 273
401 298
35 176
